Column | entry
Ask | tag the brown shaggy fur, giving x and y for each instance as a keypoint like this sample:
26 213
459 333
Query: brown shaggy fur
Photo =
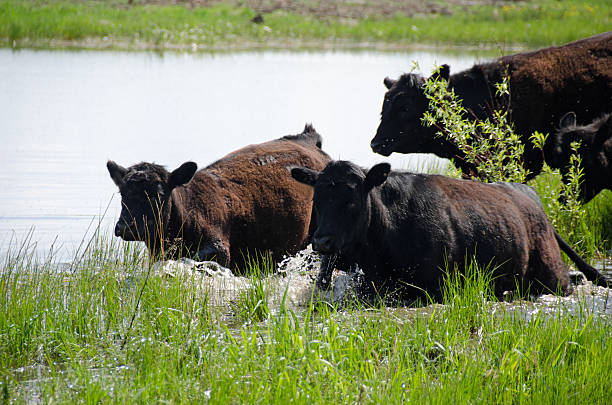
548 83
245 202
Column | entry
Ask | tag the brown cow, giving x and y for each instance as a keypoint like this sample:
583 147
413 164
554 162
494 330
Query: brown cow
245 202
544 85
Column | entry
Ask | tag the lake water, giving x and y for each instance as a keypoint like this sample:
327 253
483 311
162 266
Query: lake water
65 113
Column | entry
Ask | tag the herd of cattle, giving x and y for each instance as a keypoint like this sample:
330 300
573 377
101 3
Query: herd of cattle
402 229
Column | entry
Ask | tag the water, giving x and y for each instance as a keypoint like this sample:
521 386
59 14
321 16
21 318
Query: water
294 287
64 113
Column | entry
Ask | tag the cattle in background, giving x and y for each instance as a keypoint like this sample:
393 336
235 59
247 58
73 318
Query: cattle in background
244 202
544 85
595 152
402 228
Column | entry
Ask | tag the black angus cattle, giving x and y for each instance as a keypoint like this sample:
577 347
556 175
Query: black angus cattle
401 228
544 85
244 202
595 152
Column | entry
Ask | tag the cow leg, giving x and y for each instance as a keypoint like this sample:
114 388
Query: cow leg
326 270
548 273
328 264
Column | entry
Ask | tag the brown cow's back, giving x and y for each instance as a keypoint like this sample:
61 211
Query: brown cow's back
573 77
249 195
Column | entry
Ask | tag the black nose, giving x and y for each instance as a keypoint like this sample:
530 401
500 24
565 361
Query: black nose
322 244
379 147
120 229
375 145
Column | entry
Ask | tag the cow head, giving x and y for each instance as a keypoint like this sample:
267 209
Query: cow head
145 190
559 150
341 201
401 129
595 151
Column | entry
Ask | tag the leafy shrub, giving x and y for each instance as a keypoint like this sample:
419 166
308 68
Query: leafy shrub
496 151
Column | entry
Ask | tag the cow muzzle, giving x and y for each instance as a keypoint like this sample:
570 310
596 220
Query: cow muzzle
382 147
125 232
120 229
323 244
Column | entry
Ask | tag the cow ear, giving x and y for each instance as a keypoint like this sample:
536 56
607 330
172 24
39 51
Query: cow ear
389 82
309 129
305 175
568 120
443 72
116 172
182 175
377 175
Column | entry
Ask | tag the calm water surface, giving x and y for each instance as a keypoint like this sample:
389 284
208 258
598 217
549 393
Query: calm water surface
65 113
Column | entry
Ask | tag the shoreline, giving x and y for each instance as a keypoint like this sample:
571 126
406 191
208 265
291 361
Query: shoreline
309 45
222 26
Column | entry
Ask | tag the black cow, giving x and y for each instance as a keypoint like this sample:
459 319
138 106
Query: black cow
544 85
244 202
595 152
402 228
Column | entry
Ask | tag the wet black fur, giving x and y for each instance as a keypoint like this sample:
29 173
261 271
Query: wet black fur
402 228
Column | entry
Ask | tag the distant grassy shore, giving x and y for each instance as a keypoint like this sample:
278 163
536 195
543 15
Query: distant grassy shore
220 26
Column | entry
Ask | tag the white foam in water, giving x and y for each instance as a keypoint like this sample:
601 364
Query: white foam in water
292 286
586 298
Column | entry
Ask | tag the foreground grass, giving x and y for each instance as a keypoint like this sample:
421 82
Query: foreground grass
88 335
114 24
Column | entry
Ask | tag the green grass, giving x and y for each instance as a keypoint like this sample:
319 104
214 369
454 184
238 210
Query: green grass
114 24
88 336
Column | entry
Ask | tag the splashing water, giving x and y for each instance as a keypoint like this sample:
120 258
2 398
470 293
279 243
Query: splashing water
294 285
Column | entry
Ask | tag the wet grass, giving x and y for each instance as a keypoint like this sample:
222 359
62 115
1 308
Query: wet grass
117 25
111 330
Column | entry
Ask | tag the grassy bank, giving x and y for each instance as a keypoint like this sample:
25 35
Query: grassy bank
109 330
116 24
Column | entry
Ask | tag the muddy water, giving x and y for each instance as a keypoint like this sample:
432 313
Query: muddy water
64 113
